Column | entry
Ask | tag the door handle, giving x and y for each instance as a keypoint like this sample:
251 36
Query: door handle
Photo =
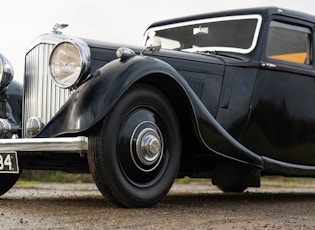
268 65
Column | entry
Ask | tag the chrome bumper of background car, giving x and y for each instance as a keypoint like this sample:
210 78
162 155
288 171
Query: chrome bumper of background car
64 144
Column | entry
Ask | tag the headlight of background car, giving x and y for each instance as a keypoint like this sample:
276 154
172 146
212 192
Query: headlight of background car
6 72
70 63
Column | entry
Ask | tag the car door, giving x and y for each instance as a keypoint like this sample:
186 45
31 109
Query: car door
281 125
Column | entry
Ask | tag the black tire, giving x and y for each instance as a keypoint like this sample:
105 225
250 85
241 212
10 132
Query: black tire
7 181
228 189
134 155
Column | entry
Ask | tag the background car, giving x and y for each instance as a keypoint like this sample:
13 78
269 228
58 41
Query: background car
11 93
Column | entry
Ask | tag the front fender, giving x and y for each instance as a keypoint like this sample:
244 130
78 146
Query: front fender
93 100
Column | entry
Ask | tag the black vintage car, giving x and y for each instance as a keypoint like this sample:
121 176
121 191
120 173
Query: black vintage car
230 96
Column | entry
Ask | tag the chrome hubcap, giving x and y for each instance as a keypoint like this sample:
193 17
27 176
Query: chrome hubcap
146 146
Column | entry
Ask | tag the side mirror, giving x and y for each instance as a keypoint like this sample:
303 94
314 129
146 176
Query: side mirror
153 45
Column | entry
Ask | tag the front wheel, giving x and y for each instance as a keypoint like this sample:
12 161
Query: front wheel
134 155
7 181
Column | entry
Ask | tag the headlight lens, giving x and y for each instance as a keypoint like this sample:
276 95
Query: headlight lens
69 63
6 72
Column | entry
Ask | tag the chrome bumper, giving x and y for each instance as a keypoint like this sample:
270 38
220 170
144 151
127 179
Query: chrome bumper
60 144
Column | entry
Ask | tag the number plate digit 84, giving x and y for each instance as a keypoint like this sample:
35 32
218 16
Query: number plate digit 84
9 163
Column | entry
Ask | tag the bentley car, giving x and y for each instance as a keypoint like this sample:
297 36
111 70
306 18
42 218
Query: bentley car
226 95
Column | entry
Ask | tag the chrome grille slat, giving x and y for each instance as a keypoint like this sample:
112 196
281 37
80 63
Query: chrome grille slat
42 98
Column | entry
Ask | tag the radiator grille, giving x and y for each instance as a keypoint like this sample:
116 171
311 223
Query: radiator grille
42 98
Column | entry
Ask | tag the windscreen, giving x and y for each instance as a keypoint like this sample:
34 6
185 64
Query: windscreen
235 34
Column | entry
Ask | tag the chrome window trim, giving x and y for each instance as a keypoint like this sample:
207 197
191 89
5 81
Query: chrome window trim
209 20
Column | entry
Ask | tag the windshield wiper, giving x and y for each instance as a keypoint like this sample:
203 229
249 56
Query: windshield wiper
218 53
215 52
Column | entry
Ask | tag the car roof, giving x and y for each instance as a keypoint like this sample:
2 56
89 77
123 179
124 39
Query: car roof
264 11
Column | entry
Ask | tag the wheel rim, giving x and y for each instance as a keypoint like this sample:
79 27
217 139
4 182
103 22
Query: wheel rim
141 150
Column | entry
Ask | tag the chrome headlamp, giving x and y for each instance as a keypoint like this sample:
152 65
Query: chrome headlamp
70 63
5 127
6 72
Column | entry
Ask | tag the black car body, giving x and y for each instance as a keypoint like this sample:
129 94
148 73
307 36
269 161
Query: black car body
228 97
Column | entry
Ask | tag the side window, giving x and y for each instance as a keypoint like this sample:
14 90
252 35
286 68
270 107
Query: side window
289 43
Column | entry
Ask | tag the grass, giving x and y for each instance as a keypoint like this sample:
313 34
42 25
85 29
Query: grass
267 181
30 178
188 180
288 182
33 177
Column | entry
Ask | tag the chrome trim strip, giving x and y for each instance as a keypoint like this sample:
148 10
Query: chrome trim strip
59 144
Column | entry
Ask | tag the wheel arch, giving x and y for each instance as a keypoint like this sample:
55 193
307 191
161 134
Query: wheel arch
112 82
181 104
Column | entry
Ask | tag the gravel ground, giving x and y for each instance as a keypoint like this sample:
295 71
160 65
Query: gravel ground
197 205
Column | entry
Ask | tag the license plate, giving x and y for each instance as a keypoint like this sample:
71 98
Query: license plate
9 163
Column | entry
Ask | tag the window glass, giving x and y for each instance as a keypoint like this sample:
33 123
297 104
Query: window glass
289 43
231 34
170 43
